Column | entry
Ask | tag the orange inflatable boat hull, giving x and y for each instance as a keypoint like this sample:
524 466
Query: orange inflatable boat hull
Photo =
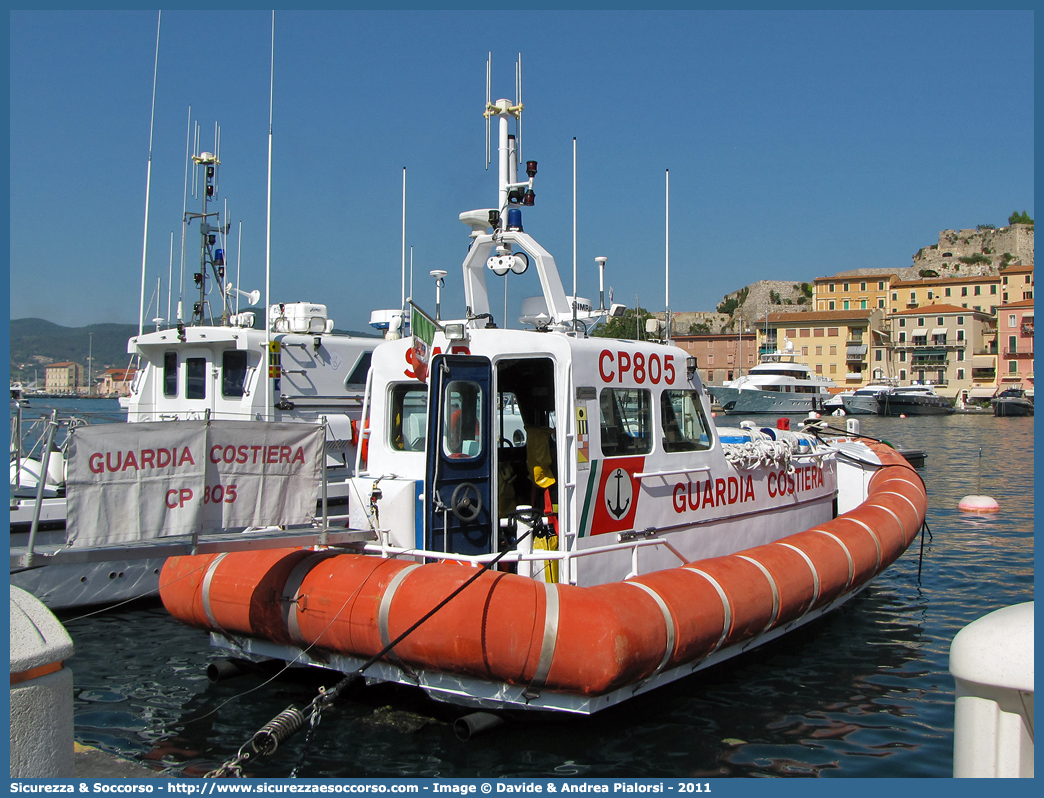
511 629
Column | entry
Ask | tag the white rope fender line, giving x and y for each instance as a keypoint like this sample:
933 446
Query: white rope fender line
873 536
891 512
901 496
550 638
668 620
385 608
811 567
207 579
919 485
727 625
844 548
772 585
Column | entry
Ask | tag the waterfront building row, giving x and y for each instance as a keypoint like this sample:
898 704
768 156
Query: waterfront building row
984 292
69 378
954 347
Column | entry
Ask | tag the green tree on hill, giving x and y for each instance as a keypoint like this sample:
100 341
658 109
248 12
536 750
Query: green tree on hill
626 327
1020 218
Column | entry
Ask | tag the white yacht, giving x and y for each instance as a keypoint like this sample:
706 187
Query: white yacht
780 383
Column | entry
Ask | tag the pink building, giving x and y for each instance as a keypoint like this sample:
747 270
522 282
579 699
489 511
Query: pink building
1015 343
720 357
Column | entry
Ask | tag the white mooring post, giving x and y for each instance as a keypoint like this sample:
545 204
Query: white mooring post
41 691
991 660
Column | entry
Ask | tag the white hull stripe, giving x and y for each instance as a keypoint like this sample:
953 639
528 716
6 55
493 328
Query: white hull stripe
919 485
386 602
727 625
848 554
292 596
898 520
901 496
668 621
772 584
811 567
550 638
207 579
873 535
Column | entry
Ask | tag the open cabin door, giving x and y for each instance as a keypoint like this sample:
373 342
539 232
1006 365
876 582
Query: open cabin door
457 503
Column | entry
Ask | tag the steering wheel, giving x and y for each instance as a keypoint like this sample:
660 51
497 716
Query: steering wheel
466 502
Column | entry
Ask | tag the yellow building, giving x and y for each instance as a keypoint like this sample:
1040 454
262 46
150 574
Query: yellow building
859 292
63 377
848 346
1016 284
979 292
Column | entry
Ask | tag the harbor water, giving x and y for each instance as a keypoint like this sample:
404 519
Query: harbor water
862 692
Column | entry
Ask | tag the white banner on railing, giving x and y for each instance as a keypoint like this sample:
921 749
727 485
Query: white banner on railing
131 482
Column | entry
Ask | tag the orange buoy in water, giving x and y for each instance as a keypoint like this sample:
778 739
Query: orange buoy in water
978 504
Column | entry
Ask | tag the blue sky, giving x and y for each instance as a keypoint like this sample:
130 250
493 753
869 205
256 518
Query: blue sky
799 144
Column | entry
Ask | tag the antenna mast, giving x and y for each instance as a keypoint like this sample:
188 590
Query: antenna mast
268 239
667 264
489 101
574 235
402 303
148 180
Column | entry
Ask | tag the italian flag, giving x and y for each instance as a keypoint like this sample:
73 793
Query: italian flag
423 329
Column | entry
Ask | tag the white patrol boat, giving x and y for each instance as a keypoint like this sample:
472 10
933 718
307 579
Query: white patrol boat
621 542
219 365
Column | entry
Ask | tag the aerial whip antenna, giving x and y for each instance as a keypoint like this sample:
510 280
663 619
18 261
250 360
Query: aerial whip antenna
667 261
184 212
518 120
170 274
489 100
148 180
268 234
402 304
239 258
574 230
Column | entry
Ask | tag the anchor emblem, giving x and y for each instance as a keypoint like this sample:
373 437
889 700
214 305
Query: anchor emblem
623 493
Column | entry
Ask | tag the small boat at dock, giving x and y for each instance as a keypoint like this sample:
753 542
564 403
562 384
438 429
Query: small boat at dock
1012 402
913 400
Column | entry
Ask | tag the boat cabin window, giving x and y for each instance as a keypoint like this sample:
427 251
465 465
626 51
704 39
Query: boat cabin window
233 372
409 417
357 379
196 378
462 421
170 373
626 421
684 428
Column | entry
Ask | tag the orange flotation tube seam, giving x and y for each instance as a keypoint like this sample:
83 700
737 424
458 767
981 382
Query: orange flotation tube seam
508 628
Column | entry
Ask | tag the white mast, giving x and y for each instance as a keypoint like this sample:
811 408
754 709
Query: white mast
239 257
184 213
148 181
667 265
402 303
268 234
574 235
170 275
